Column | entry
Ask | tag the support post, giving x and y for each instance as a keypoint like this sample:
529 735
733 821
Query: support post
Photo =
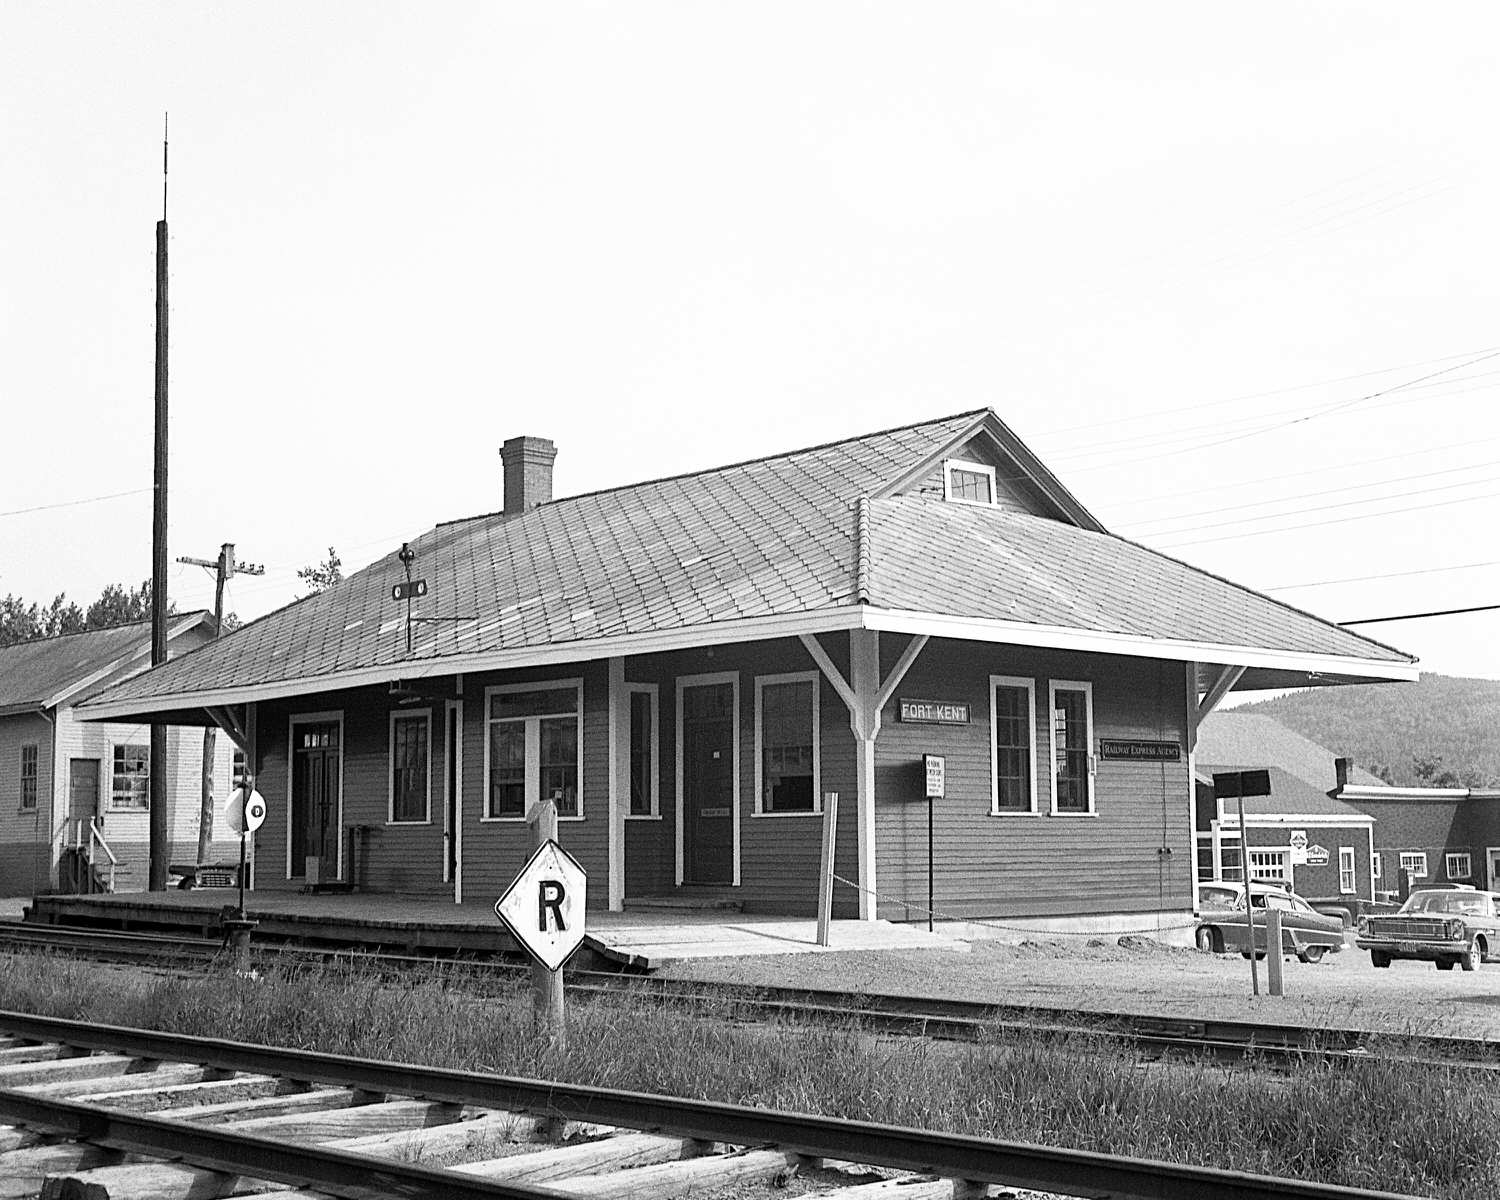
825 870
546 986
619 780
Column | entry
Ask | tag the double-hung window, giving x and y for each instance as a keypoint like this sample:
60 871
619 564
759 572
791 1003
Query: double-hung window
411 767
1072 707
131 786
1415 861
786 744
1347 882
1012 745
645 779
28 777
533 748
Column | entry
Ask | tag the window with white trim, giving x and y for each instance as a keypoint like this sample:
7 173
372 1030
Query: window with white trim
533 748
1231 861
1457 866
645 779
411 768
786 744
1415 862
28 777
968 482
1375 871
1072 706
131 787
1268 865
1012 745
1347 881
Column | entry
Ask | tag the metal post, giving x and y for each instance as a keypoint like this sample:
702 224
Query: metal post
547 986
1245 875
929 864
157 823
1273 950
825 871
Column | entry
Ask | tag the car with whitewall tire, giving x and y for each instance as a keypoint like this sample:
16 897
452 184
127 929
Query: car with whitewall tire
1453 926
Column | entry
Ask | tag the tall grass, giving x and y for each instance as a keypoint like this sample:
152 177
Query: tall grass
1405 1127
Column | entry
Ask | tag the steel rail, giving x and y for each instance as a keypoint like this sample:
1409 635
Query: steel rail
940 1017
338 1172
955 1156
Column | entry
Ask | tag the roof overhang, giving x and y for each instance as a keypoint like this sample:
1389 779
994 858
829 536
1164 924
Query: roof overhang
1231 820
1307 669
1350 792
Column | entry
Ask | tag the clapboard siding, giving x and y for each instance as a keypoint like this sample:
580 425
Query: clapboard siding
1037 865
25 858
1010 492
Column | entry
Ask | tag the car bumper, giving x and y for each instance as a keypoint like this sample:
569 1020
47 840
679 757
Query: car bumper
1406 948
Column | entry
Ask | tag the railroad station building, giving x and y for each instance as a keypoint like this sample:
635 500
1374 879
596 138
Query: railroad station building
690 665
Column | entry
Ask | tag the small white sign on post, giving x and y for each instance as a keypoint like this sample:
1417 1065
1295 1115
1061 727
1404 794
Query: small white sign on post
935 766
544 907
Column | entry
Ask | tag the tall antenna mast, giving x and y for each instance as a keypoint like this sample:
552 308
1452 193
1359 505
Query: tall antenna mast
158 849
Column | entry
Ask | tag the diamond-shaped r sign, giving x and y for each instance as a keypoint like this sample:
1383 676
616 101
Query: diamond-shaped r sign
544 907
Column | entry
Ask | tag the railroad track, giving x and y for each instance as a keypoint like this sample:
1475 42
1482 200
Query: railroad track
103 1113
953 1020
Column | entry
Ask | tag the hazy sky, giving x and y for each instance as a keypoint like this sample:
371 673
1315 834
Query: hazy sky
1229 269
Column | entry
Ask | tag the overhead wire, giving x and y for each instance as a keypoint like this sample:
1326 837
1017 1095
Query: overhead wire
1292 587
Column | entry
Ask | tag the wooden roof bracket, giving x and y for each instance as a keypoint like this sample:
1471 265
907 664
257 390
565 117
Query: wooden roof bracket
234 724
1227 678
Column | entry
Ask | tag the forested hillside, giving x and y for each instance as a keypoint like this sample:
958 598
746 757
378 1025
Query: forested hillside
1439 732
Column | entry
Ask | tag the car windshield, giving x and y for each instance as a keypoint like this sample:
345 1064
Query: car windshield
1459 904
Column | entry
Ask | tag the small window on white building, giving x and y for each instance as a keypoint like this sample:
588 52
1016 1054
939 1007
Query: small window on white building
968 482
1415 862
28 777
131 788
1457 866
1347 882
1268 865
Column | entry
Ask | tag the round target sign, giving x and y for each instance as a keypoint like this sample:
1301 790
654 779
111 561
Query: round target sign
244 815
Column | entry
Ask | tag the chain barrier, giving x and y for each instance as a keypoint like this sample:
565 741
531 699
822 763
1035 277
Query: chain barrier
939 915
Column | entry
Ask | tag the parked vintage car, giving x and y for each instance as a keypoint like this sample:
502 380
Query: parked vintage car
1306 933
1442 925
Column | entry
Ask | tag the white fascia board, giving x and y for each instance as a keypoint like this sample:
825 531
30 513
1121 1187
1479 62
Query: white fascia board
1056 637
1368 791
1270 820
119 663
718 633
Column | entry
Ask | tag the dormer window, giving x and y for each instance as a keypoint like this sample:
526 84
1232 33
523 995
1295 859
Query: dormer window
968 482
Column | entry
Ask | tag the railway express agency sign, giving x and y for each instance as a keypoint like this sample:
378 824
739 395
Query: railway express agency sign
543 908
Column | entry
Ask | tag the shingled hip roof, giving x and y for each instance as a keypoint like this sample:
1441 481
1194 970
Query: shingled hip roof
761 549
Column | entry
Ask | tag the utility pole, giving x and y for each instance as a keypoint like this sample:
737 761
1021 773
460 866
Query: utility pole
156 880
224 568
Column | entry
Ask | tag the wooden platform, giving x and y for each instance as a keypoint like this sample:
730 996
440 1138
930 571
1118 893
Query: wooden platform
641 938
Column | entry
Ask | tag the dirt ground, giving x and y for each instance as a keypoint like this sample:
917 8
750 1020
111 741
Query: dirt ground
1343 991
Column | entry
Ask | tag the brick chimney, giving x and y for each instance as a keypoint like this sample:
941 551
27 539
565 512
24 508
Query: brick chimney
1341 773
528 473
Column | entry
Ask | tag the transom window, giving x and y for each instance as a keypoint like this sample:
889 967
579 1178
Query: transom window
786 736
28 777
1415 862
533 749
644 777
1012 714
968 482
131 788
411 767
1457 866
1072 737
1268 865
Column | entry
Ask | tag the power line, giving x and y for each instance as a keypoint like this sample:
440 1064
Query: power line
1292 587
1446 612
16 512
